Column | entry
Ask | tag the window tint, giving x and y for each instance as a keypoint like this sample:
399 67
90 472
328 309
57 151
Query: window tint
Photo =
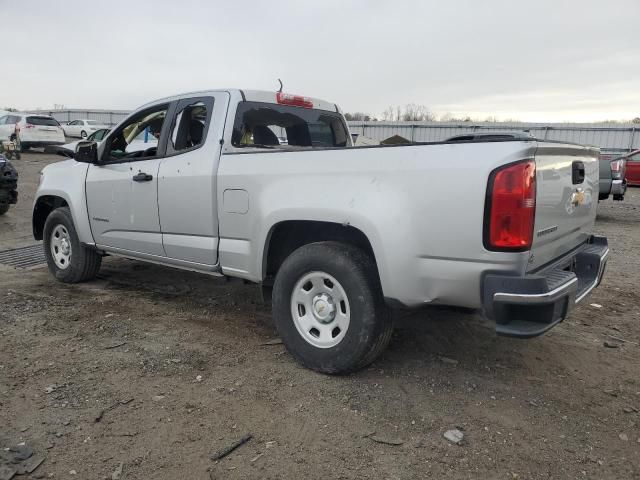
46 121
267 124
189 128
138 138
635 158
92 122
3 119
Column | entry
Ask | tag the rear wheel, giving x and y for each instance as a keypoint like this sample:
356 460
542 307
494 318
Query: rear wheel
67 259
328 308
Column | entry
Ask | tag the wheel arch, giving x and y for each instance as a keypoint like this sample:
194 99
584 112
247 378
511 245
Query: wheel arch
286 236
42 208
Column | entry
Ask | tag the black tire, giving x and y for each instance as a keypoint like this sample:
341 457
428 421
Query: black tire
370 325
83 134
4 208
84 263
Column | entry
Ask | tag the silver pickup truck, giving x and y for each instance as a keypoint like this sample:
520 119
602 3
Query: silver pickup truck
266 186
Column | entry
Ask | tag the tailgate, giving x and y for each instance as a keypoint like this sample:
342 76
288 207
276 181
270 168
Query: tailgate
566 200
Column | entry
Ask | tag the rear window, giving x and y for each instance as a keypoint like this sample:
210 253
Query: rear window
46 121
92 122
269 125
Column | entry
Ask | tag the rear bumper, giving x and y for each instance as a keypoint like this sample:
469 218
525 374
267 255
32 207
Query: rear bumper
531 305
618 187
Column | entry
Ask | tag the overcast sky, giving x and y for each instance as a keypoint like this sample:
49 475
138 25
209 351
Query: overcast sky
543 60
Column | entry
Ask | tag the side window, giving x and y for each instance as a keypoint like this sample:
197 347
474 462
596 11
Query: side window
138 138
190 125
635 158
3 119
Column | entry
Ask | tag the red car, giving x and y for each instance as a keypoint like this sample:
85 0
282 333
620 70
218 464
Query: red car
633 168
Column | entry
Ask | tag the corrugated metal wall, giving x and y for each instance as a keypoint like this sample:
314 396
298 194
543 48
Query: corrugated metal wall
618 138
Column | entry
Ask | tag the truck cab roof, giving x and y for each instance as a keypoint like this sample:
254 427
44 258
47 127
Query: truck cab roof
263 96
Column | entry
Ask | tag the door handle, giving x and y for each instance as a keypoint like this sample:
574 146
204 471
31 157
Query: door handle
142 177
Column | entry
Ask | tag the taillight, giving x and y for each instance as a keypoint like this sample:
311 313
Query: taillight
618 168
510 208
28 125
295 100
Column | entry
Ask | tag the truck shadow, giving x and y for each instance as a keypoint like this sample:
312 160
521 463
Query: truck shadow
432 335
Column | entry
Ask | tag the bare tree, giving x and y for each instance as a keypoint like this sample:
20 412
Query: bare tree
417 113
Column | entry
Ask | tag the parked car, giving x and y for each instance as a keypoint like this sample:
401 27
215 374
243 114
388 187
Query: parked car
336 236
612 177
8 185
82 128
632 164
31 130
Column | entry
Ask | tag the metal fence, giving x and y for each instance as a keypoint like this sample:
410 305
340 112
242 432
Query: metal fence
618 138
610 138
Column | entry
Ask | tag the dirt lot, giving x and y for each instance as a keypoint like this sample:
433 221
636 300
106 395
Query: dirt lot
188 352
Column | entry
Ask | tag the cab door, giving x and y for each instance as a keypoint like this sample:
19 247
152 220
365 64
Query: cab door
187 196
122 190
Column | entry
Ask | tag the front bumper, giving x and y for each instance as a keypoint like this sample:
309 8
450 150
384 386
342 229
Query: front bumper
531 305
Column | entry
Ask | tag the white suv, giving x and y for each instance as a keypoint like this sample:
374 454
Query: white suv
31 130
81 128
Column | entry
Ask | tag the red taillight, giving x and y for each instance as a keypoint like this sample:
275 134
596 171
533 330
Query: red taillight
295 100
28 125
511 207
617 169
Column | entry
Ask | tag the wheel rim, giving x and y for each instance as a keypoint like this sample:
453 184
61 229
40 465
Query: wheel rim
61 247
320 309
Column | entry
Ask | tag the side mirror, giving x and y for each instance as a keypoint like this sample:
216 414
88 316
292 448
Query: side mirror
86 152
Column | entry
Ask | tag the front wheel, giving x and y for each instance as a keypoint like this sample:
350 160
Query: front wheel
83 134
329 309
67 259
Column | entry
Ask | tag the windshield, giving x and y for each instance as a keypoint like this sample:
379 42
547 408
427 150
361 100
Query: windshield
273 125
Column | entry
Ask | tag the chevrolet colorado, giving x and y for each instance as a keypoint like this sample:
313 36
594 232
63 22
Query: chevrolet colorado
266 186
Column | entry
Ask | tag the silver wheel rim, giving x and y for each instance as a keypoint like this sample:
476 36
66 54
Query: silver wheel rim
61 247
320 309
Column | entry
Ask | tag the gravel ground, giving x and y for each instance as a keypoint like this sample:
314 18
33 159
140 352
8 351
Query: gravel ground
175 366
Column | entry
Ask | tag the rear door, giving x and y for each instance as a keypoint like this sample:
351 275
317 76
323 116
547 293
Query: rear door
187 179
8 126
71 129
122 191
566 199
5 130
